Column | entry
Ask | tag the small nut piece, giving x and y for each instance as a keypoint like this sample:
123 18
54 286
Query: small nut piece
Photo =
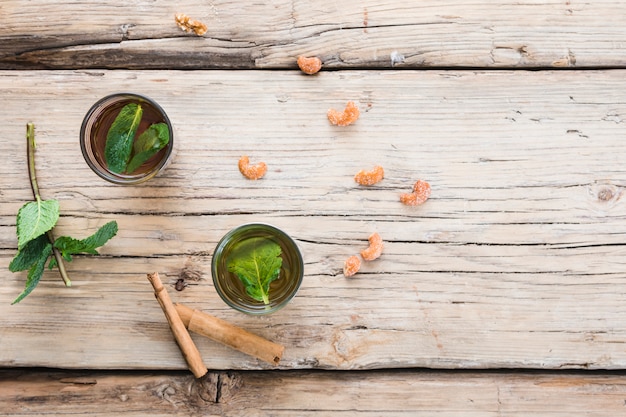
189 25
252 172
349 115
375 249
310 65
370 177
421 193
351 266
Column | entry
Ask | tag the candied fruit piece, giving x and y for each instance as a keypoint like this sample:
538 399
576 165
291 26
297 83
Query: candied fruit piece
421 193
252 172
375 248
370 177
351 266
422 188
349 115
189 25
310 65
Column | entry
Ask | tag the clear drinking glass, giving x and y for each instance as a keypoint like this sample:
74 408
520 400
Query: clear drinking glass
232 290
96 124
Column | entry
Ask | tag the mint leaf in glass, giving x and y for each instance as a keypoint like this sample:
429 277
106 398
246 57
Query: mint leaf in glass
120 137
151 141
257 263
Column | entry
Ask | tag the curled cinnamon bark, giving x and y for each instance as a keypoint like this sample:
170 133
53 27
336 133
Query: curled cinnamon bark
185 343
230 335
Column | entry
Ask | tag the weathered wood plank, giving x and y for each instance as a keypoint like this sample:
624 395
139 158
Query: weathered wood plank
376 34
516 261
373 393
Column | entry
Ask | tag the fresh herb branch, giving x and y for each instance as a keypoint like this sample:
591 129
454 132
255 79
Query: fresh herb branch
30 149
35 238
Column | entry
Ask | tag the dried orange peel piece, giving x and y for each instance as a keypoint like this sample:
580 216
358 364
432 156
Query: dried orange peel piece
348 116
190 25
421 193
252 172
370 177
309 65
375 248
351 266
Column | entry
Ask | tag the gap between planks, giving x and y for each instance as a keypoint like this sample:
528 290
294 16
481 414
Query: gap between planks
41 392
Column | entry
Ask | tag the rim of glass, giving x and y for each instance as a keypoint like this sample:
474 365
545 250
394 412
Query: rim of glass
100 170
217 254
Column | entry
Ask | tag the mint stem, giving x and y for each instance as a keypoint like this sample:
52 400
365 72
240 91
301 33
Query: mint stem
30 148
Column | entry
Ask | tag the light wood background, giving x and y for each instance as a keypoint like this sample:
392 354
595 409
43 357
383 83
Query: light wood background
515 263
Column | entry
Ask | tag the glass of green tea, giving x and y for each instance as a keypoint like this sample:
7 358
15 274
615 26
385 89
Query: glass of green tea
257 268
126 138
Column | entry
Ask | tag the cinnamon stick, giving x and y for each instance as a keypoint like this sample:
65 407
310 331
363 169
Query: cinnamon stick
185 343
230 335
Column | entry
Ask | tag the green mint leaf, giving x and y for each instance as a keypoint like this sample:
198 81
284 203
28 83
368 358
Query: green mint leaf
52 263
257 263
103 235
29 254
155 138
120 137
69 246
34 219
35 272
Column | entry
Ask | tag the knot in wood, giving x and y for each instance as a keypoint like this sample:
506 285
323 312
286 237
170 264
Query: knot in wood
180 284
605 194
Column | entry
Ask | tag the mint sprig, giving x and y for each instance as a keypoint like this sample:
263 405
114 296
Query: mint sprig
35 253
36 243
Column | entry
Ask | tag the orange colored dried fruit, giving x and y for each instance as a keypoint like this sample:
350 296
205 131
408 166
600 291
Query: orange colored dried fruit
351 266
375 248
189 25
349 115
370 177
421 193
310 65
252 172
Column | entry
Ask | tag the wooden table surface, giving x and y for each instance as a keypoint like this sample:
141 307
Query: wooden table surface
503 294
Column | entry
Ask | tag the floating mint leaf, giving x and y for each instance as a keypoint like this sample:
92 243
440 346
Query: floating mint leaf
34 219
257 263
70 246
155 138
119 143
35 272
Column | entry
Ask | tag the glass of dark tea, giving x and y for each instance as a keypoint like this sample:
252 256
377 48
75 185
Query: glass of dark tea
257 268
126 138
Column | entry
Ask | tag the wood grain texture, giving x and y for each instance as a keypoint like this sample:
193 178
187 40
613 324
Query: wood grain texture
375 393
142 34
517 260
